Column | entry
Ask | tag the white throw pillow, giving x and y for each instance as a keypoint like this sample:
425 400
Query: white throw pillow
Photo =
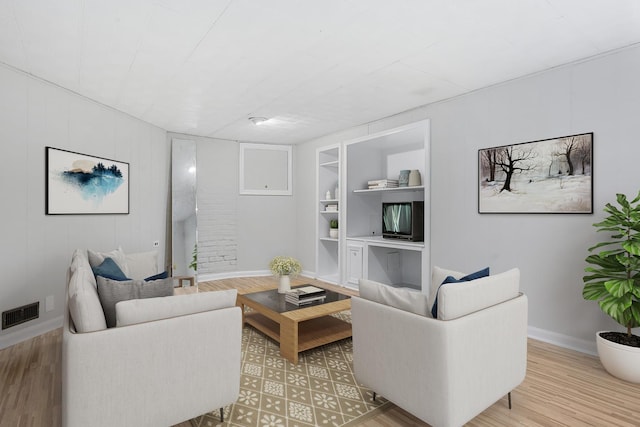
459 299
142 264
437 277
147 310
405 299
79 259
84 303
96 258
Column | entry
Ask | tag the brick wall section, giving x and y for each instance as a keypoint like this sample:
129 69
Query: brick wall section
217 233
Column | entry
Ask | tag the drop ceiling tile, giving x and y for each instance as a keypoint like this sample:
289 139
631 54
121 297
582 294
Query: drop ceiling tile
204 66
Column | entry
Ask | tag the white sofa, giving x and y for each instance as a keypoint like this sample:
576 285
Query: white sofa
178 356
446 370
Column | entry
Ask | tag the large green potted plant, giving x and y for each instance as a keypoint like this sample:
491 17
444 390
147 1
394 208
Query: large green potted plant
614 281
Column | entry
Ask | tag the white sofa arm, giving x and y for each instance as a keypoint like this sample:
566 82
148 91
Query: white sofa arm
444 372
154 373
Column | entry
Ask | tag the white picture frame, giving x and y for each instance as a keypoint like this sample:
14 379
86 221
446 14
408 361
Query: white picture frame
265 169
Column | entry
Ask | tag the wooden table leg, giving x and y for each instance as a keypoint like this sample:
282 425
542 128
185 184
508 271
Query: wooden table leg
241 305
289 340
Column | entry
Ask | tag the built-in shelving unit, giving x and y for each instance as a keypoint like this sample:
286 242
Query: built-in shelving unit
328 208
360 251
366 253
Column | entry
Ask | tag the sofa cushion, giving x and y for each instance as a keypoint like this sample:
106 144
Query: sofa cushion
437 277
110 270
146 310
158 276
111 292
97 258
142 264
451 279
84 304
468 297
405 299
79 259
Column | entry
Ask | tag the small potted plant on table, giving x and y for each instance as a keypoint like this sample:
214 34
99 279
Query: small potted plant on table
614 281
284 267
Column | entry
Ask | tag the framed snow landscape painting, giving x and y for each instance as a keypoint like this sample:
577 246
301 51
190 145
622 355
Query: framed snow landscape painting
547 176
82 184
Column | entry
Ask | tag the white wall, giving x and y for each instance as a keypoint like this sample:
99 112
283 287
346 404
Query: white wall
35 249
601 95
237 234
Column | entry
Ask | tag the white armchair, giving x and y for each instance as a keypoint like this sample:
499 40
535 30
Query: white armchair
170 358
448 370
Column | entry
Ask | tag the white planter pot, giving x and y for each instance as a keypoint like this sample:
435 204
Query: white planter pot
333 233
619 360
284 284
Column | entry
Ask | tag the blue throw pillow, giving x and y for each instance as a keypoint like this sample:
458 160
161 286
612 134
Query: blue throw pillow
450 279
158 276
110 270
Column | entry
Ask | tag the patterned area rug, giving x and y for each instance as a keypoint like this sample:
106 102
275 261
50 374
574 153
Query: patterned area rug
320 390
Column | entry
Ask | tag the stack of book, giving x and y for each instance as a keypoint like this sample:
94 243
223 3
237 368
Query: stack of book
383 183
331 208
305 295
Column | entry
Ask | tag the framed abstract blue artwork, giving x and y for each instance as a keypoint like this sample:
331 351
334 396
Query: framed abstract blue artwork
80 184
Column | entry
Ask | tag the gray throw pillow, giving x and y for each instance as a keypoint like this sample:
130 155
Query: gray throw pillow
112 292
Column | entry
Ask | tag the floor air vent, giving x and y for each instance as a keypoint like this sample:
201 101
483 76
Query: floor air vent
15 316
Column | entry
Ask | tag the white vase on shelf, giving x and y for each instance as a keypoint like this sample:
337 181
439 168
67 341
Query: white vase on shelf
284 284
414 178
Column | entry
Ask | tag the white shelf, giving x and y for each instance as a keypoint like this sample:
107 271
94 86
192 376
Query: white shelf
328 169
328 239
332 164
389 243
378 190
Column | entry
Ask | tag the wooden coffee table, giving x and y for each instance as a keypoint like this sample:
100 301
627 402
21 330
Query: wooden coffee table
296 328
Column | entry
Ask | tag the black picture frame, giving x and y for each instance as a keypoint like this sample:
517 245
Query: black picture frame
552 175
83 184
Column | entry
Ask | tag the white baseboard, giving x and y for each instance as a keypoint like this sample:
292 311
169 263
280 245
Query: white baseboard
233 274
30 332
572 343
565 341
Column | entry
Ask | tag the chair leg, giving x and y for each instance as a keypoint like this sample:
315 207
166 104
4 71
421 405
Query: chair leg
374 396
509 396
221 415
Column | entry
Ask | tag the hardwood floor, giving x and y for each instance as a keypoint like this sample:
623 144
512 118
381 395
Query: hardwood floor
562 387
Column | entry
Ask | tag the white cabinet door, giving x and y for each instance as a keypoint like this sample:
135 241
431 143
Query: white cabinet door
355 264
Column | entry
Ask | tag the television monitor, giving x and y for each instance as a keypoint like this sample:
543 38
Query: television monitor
403 220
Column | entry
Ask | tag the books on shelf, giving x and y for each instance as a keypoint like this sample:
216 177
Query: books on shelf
331 208
383 183
305 295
